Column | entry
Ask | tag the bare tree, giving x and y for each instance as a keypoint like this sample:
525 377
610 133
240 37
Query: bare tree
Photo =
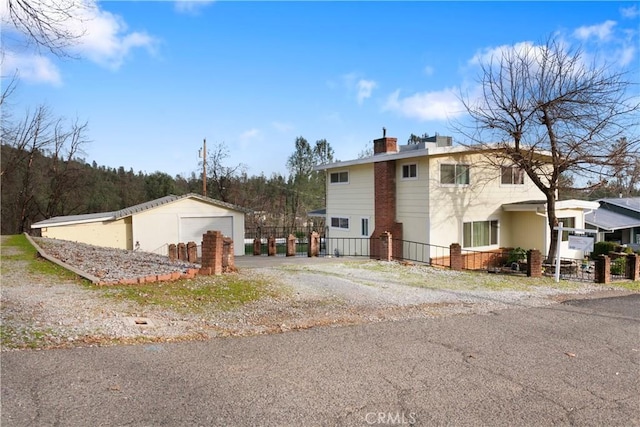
64 174
46 23
549 113
220 175
32 188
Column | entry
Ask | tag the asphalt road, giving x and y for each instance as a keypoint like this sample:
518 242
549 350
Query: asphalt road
575 363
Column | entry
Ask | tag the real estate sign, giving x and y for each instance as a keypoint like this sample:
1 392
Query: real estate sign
581 243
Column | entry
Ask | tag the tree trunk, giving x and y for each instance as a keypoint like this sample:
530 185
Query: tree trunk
553 222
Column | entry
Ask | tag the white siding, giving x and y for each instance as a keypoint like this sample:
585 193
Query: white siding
354 200
412 202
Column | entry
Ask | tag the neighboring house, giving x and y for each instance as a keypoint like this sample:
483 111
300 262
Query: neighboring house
438 194
617 220
151 226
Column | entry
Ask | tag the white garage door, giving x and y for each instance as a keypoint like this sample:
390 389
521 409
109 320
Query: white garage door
192 229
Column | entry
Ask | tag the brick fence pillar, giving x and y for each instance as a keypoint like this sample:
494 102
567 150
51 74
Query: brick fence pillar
534 263
212 247
192 252
386 248
182 252
633 267
313 249
173 252
271 246
291 245
455 256
228 256
257 246
603 269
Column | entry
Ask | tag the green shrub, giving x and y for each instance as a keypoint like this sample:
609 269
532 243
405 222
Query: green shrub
516 255
603 248
618 266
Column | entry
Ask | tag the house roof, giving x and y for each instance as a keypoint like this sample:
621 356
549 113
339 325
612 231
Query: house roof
609 220
413 151
399 155
122 213
629 203
616 213
541 205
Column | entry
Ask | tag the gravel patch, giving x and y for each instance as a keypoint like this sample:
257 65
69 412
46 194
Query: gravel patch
41 311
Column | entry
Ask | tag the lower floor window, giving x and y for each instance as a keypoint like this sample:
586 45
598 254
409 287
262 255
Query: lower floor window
338 222
480 233
567 223
364 227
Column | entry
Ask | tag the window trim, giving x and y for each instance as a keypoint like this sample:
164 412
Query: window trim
567 222
362 231
339 217
455 173
338 173
409 177
491 242
513 169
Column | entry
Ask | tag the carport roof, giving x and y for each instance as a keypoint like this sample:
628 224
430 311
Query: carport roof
122 213
609 220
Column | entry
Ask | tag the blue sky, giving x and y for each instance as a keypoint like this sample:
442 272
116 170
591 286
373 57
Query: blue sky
153 79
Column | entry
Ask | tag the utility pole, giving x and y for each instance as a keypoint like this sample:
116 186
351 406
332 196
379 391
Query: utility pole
203 154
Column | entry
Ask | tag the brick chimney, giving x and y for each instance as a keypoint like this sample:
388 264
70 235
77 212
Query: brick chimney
384 176
385 144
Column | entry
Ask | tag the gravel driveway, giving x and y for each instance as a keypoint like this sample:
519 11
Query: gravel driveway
39 311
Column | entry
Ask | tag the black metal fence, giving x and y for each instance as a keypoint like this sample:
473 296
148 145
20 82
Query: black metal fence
345 246
421 252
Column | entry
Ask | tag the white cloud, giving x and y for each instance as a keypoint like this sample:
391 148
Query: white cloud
95 34
106 39
282 127
601 32
192 7
428 70
365 88
32 69
496 53
248 137
437 105
630 12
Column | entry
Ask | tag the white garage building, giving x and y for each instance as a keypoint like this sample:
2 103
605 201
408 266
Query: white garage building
151 226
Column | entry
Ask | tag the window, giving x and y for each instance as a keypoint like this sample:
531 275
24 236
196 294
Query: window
338 222
409 171
512 175
364 227
454 174
339 177
480 233
567 223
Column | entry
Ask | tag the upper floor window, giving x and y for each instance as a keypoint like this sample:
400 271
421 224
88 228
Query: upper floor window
454 174
339 177
511 175
409 171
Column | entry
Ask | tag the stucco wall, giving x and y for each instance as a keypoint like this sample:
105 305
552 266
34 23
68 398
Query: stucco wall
113 234
481 200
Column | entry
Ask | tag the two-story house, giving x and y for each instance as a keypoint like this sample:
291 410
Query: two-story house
438 194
